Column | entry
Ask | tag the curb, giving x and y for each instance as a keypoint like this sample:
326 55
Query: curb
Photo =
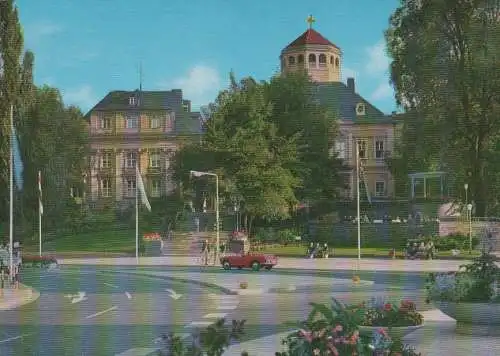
30 295
178 279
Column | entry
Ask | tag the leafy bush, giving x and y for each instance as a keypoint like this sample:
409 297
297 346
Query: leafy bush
37 261
381 312
454 242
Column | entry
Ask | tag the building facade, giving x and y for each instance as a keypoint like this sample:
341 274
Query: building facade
360 122
129 129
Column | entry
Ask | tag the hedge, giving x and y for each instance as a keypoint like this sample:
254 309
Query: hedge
37 261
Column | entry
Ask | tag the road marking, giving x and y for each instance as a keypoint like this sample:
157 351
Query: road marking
128 295
101 312
77 298
199 323
110 285
139 351
173 294
227 307
14 338
215 315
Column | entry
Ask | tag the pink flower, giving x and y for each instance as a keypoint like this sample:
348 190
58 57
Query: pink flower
307 335
382 332
316 351
338 328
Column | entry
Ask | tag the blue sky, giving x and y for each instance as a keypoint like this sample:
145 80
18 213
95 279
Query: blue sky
87 48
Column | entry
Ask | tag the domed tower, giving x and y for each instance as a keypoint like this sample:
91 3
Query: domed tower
312 52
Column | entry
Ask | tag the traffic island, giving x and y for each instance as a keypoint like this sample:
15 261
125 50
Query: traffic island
16 298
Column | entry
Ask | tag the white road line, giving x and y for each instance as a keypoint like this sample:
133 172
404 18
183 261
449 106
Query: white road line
14 338
110 285
227 307
128 295
101 312
215 316
199 323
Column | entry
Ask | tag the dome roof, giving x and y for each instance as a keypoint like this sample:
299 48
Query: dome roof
311 36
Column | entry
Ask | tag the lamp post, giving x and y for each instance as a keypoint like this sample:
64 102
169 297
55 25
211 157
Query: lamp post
236 206
217 241
469 209
466 187
358 202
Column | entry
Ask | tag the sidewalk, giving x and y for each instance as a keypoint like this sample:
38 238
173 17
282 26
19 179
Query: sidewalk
15 298
366 264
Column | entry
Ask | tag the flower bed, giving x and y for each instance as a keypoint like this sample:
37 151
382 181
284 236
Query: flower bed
39 262
383 313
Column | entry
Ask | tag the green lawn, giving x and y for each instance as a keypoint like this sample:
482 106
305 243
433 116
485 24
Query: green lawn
299 251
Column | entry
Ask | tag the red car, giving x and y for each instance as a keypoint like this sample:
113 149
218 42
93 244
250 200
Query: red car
249 260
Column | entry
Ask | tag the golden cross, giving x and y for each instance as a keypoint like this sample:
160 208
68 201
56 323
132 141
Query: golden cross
310 20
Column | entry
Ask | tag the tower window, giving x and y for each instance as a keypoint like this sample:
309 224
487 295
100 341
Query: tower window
337 62
300 58
312 58
291 60
331 59
322 59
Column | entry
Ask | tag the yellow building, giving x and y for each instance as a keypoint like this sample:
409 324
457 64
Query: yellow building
136 128
360 121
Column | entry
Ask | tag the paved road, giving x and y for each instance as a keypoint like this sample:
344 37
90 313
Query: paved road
117 312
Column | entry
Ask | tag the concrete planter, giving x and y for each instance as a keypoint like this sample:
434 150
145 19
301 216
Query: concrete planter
394 332
471 313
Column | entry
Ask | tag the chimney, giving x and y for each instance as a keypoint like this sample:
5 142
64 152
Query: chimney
350 85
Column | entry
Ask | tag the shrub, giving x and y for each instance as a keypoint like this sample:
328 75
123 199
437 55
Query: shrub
37 261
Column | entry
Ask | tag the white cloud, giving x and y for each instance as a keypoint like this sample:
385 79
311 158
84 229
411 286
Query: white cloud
36 31
82 96
349 73
200 84
378 61
383 91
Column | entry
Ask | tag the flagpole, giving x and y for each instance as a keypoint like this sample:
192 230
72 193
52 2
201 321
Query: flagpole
39 216
137 215
11 182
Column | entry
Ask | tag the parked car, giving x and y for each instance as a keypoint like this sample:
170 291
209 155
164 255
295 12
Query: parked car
249 260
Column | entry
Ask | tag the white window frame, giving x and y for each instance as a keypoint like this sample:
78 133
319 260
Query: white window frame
132 101
131 159
106 160
377 142
132 118
154 159
340 149
105 123
155 123
131 187
384 191
155 188
361 143
106 187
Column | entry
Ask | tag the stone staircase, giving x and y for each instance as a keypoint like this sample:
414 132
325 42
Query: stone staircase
188 246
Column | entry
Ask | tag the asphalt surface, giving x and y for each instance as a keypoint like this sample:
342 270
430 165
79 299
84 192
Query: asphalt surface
121 311
117 312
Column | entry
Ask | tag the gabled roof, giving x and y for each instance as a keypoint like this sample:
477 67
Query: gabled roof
312 37
342 100
148 100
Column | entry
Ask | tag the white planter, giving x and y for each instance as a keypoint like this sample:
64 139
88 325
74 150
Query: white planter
394 332
471 313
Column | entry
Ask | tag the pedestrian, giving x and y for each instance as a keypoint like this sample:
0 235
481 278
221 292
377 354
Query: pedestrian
205 251
16 277
2 281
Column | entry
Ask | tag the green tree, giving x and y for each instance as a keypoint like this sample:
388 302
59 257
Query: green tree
54 142
16 84
444 66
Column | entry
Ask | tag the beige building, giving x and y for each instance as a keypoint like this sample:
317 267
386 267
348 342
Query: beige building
129 129
360 121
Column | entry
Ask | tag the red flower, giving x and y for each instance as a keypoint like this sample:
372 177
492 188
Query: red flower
388 307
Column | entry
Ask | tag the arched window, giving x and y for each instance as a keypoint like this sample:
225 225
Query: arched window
300 58
312 58
291 60
337 62
331 59
322 59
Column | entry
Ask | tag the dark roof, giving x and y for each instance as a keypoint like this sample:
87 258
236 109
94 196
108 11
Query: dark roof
342 100
148 100
310 37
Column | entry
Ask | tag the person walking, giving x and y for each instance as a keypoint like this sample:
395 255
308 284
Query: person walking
205 251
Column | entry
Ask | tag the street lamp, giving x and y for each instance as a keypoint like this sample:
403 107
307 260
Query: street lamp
466 187
217 241
469 209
